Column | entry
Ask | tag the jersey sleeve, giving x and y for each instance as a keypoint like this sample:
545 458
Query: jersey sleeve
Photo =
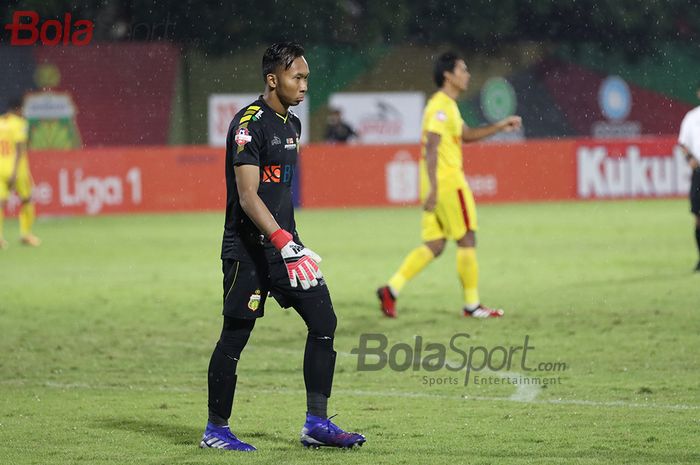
685 137
21 131
247 141
437 120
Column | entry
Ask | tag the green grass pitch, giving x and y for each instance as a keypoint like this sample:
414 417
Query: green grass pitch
107 329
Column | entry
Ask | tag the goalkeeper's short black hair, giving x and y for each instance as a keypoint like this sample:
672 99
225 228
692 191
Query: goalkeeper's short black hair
280 54
445 62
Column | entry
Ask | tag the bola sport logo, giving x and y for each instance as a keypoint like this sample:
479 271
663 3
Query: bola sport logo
25 30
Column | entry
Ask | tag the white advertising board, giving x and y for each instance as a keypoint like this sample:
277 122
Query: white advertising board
382 117
223 107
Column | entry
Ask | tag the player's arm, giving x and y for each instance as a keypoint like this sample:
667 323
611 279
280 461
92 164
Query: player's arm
247 183
432 140
511 123
692 161
245 142
21 135
301 263
19 150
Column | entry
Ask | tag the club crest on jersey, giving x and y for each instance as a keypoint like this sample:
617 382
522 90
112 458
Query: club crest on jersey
291 144
254 302
242 137
440 116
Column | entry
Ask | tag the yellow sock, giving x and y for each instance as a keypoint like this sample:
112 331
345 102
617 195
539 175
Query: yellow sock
26 219
411 266
468 270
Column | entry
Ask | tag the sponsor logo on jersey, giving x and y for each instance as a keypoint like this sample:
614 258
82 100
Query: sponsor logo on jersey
441 116
271 173
257 115
276 140
277 174
242 137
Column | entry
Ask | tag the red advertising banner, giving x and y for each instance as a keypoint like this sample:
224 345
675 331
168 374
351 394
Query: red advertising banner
538 170
386 175
164 179
649 167
125 180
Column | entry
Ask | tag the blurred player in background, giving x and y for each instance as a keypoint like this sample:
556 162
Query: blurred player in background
448 204
14 171
689 140
262 252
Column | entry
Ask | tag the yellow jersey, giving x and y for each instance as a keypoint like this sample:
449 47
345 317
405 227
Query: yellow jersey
13 130
442 116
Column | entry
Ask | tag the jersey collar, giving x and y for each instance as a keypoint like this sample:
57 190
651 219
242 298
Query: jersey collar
282 117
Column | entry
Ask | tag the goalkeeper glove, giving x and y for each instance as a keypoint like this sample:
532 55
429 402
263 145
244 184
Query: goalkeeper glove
301 263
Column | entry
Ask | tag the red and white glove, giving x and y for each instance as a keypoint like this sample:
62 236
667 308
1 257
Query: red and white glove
301 263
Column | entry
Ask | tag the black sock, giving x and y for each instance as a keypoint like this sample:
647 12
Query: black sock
222 386
317 404
697 238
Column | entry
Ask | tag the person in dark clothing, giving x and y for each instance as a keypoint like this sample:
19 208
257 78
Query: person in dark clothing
262 254
337 130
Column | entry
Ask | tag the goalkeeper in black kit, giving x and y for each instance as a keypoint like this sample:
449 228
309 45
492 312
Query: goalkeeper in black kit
262 254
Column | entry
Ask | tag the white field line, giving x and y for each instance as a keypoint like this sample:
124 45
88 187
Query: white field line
523 392
349 392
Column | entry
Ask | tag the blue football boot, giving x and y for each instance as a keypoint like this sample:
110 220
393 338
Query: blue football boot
221 437
321 432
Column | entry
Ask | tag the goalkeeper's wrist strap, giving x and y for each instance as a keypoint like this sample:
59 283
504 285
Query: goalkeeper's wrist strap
280 238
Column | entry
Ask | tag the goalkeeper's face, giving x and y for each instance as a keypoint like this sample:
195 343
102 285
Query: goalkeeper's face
293 82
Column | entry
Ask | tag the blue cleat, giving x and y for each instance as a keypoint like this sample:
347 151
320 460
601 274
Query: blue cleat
221 437
321 432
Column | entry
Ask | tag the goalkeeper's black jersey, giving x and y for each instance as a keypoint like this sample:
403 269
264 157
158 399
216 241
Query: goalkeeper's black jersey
259 136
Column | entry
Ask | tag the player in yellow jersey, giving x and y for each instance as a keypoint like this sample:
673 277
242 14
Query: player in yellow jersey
14 172
448 204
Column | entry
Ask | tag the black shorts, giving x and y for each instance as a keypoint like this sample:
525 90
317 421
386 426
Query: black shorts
246 287
695 192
